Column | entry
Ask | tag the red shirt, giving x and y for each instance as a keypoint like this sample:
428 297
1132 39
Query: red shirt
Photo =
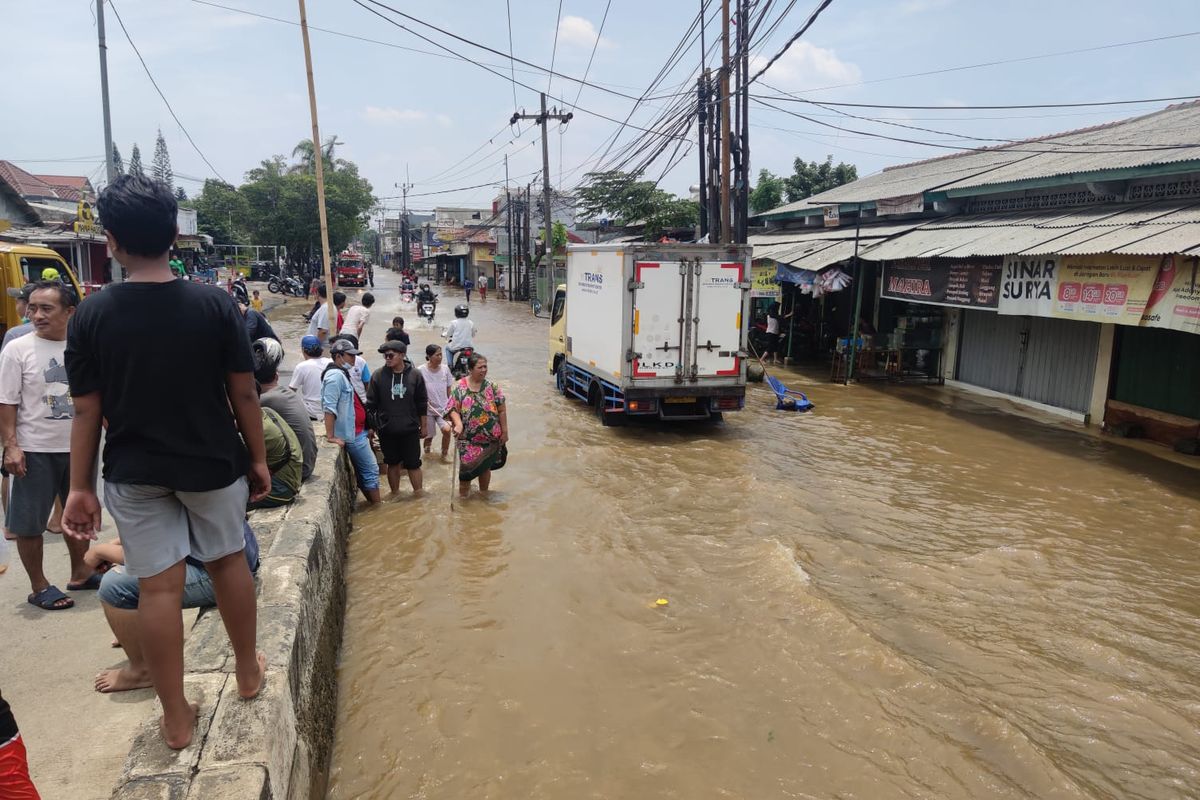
360 415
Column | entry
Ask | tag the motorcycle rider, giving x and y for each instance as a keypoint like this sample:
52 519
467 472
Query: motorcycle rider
460 333
424 296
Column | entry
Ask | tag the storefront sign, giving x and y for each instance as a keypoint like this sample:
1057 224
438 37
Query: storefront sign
1149 291
963 285
85 220
908 204
831 216
764 281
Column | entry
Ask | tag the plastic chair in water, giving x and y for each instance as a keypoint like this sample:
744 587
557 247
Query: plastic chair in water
788 399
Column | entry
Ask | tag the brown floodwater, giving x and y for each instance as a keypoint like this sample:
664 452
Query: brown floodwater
900 595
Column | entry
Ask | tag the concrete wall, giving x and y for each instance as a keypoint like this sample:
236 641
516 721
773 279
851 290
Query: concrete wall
277 746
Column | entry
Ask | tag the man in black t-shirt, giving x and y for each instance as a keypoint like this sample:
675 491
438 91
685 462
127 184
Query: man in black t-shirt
167 363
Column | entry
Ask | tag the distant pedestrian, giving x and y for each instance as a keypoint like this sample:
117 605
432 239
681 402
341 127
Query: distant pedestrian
35 427
306 377
502 286
483 286
479 414
167 365
438 381
398 393
357 316
467 286
21 300
256 302
346 419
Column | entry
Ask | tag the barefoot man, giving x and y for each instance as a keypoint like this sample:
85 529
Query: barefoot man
168 364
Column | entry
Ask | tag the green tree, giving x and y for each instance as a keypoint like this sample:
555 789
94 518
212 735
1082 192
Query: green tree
180 194
810 178
306 155
221 212
625 200
161 167
767 193
118 162
135 162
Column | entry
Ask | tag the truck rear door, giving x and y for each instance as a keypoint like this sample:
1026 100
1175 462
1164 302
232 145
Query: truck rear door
658 318
717 316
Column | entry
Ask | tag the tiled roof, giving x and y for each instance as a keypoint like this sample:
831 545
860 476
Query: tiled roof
27 184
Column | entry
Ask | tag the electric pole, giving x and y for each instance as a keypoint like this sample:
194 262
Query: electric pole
725 219
508 227
331 310
542 119
110 168
404 187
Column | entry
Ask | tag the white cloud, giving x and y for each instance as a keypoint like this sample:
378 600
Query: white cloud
394 116
579 32
806 66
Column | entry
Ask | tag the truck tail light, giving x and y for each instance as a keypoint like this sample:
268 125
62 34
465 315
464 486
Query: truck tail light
727 403
640 406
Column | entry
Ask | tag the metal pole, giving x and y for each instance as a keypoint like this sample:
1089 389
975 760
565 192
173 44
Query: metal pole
744 196
726 235
546 212
320 159
508 229
857 300
110 168
702 135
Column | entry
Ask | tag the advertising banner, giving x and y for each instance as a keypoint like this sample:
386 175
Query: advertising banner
1148 291
764 282
960 285
831 216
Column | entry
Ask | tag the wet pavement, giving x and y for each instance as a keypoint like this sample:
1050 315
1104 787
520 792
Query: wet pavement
906 594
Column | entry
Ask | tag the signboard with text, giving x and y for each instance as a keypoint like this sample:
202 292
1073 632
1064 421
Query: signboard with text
831 216
962 285
765 282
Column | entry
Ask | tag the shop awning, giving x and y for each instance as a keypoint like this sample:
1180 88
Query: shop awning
1155 228
820 248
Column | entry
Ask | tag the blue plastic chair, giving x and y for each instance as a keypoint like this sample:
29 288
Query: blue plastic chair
788 399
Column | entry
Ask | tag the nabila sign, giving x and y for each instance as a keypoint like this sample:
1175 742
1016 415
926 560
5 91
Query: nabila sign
85 220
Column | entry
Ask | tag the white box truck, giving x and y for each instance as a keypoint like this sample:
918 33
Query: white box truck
652 329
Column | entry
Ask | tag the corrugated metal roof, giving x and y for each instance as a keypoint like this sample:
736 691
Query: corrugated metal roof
1146 229
1173 131
823 246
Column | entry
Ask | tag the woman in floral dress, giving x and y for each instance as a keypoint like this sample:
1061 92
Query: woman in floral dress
480 418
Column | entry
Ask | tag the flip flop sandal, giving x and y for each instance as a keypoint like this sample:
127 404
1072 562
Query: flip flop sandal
91 583
48 599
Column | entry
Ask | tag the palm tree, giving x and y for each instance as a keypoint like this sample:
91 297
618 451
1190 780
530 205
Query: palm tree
306 154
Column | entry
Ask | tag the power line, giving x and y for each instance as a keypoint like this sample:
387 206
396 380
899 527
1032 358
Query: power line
166 102
812 18
554 51
1007 61
511 63
484 67
787 97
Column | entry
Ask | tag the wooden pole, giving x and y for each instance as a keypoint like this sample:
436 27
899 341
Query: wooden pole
319 155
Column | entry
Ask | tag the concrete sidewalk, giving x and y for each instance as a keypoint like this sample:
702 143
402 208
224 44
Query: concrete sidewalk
77 738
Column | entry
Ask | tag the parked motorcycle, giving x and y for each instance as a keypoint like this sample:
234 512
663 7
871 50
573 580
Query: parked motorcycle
458 361
286 284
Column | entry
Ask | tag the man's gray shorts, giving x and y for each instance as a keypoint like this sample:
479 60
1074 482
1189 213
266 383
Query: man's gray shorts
47 478
160 527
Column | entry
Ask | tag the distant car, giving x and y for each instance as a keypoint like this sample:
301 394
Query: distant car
350 272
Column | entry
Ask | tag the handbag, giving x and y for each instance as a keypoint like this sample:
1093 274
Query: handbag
501 459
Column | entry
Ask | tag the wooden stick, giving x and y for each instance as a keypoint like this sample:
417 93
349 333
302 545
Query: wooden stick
319 155
453 471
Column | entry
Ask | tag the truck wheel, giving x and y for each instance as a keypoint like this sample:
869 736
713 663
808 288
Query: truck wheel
606 419
560 377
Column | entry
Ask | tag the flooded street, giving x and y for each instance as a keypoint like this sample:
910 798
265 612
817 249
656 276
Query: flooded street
901 595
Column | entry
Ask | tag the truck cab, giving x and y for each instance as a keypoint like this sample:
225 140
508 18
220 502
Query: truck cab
22 264
350 270
558 328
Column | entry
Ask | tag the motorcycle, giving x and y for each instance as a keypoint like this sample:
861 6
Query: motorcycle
286 284
240 293
458 361
428 308
407 293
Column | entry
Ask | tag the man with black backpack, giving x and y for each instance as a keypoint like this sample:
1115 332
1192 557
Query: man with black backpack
397 403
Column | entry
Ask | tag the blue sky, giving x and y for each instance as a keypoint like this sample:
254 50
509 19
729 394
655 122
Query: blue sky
237 82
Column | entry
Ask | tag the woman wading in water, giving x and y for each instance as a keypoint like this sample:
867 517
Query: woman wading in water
480 419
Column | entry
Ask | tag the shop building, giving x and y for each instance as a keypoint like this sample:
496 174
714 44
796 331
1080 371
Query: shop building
1060 272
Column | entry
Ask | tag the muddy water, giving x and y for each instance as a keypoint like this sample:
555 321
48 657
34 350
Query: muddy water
897 596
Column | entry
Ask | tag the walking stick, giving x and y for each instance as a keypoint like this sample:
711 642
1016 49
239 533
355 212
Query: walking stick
453 471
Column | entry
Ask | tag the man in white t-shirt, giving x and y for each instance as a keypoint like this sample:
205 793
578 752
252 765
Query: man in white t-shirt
460 332
306 377
35 426
438 381
357 316
318 326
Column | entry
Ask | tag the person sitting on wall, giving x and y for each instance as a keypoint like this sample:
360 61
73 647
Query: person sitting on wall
119 599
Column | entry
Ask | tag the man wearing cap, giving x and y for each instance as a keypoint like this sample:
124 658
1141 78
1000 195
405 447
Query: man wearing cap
346 418
306 377
21 296
398 392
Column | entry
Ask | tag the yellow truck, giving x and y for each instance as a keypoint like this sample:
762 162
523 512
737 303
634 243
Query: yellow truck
21 264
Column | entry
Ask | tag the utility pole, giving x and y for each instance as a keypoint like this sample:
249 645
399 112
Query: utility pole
508 228
404 187
726 235
320 161
702 100
110 168
542 119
